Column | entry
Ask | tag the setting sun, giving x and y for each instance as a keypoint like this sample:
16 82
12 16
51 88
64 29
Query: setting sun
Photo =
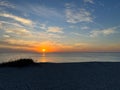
43 50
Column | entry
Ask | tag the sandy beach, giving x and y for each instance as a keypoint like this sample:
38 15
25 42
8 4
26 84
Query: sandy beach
62 76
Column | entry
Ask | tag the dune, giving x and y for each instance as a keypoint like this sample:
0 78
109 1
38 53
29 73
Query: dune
18 63
60 76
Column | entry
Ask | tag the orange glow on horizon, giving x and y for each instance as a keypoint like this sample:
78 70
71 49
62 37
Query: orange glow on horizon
50 48
45 49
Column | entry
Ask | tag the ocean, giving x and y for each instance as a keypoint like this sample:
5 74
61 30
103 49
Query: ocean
62 57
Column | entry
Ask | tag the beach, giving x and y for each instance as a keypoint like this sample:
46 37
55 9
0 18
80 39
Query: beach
62 76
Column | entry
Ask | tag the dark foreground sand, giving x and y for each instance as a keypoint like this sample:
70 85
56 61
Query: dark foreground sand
63 76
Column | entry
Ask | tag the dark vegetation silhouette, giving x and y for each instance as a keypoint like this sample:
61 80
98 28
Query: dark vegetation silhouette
19 63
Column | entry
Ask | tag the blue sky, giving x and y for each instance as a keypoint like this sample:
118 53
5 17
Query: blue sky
60 26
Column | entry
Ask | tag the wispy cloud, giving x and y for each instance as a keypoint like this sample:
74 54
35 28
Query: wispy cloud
42 26
3 23
18 31
47 36
44 11
84 27
6 4
78 15
6 36
55 30
19 19
75 33
0 25
14 30
19 42
82 45
105 32
89 1
58 36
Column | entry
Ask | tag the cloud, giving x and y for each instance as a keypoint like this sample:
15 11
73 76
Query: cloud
105 32
0 25
84 27
19 31
78 15
15 30
89 1
6 36
75 33
3 23
81 44
55 30
43 26
51 35
19 19
41 10
9 49
6 4
19 42
47 36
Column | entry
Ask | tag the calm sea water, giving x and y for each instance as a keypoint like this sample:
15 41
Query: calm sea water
62 57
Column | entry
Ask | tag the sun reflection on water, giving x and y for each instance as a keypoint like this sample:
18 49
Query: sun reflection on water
43 58
43 54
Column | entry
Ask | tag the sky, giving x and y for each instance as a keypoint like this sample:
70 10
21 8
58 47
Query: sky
60 25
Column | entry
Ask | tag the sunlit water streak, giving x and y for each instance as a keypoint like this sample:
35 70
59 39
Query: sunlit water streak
61 57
